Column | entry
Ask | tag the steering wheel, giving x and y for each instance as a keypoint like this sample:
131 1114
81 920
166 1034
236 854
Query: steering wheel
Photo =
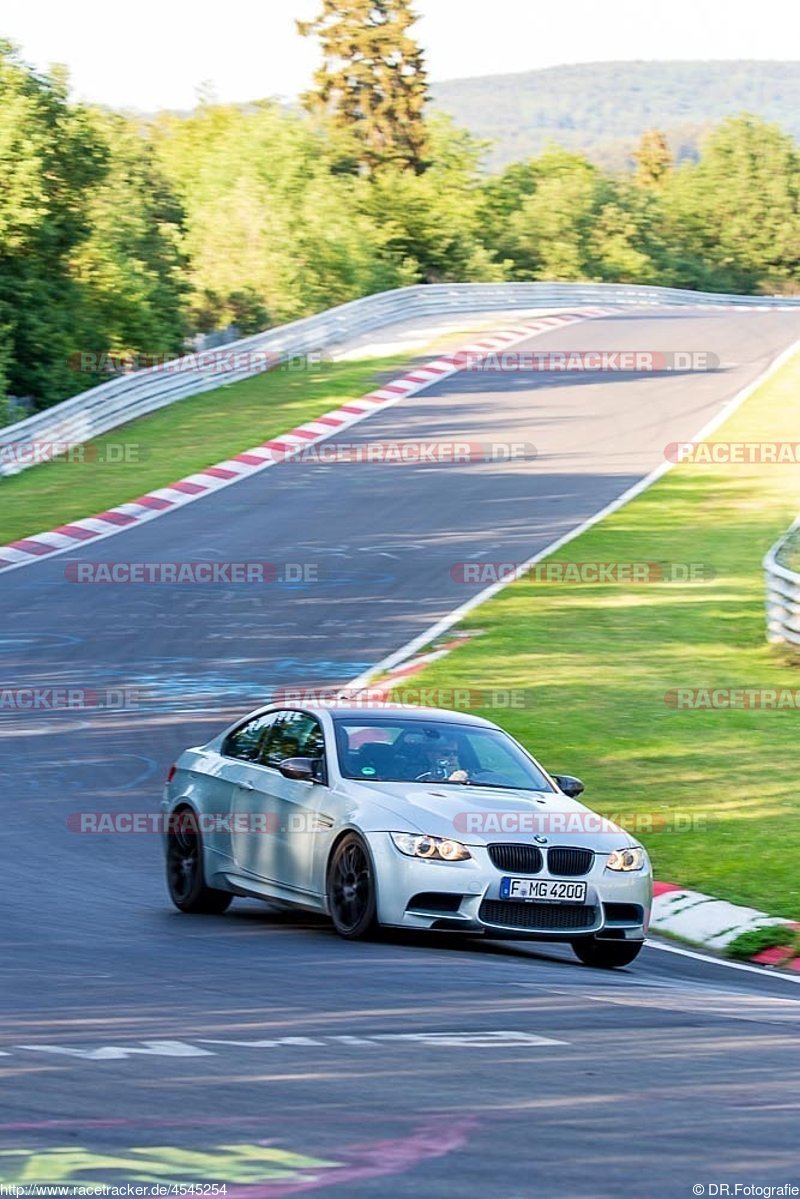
428 776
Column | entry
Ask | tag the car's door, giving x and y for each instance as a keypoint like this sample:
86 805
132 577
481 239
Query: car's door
276 819
223 774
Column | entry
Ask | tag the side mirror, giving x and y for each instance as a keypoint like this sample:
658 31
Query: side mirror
570 785
303 770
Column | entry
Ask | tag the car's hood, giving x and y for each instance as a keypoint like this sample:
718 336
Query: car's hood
479 815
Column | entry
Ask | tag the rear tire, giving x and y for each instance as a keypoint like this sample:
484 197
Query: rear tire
186 881
607 955
352 900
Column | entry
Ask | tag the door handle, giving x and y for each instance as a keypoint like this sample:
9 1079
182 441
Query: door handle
246 787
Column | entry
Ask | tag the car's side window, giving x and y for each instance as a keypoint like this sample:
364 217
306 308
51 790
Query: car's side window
279 744
313 745
293 735
245 742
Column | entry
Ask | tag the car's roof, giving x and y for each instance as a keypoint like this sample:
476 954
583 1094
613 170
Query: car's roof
340 709
407 712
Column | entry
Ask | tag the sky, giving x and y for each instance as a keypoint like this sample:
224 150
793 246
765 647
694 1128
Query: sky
158 53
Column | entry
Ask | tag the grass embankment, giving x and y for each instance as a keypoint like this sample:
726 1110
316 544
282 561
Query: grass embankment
178 440
596 661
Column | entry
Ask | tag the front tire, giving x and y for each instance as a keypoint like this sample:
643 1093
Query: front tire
606 955
186 881
352 900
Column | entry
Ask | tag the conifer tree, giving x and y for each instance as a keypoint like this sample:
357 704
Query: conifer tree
372 84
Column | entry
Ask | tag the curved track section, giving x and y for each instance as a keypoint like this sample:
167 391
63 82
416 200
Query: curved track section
256 1048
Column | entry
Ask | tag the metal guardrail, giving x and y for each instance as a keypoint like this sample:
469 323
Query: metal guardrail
125 398
782 576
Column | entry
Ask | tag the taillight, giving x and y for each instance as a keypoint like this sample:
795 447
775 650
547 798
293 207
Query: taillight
171 773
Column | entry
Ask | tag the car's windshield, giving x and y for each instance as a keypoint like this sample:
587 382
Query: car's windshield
395 750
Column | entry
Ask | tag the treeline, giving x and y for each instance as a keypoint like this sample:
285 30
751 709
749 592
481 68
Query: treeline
122 236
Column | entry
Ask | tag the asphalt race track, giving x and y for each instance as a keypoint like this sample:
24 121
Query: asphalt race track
256 1048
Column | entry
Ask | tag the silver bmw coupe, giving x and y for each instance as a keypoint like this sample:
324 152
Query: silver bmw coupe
401 817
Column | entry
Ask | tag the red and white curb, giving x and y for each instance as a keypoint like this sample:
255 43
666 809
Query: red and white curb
381 689
269 453
715 923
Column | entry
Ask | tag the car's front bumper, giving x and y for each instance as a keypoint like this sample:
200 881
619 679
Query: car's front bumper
465 897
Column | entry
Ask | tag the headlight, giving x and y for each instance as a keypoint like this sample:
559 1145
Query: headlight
633 858
436 849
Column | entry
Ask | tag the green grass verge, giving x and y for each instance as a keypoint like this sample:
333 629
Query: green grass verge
178 440
749 944
712 793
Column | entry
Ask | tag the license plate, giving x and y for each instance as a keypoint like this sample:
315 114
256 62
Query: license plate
548 889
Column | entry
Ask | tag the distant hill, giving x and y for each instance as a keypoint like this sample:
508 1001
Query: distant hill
602 109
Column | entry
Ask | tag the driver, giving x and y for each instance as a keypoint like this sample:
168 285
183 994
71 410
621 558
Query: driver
443 761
